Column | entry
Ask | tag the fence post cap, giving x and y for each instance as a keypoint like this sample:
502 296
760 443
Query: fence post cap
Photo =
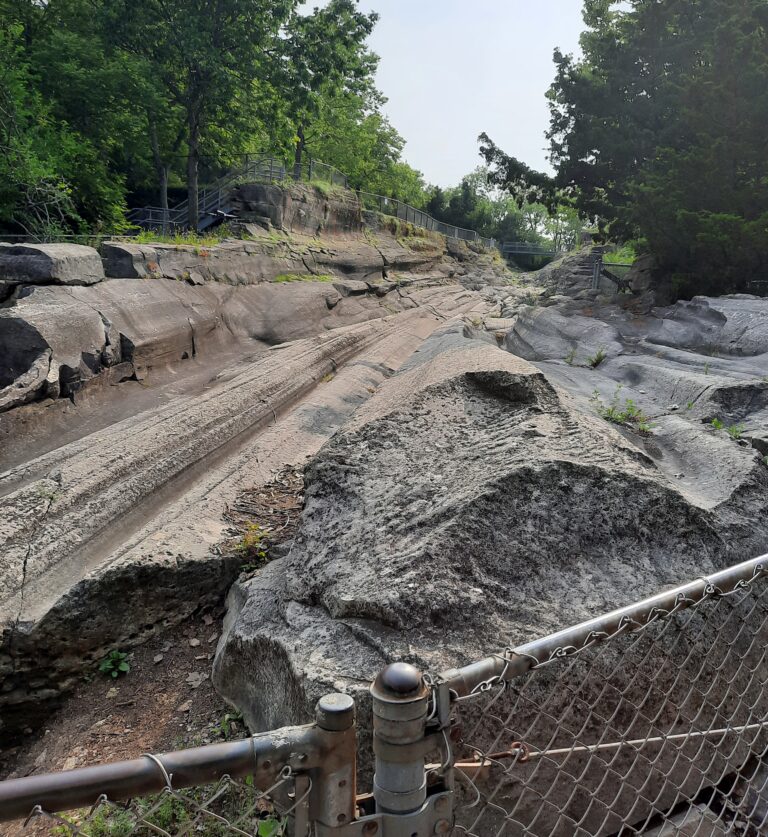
335 712
400 679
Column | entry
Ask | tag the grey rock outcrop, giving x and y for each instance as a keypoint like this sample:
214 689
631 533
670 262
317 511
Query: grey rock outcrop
49 264
300 207
545 334
117 532
468 505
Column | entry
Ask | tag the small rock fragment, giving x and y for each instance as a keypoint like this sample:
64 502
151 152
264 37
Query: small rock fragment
195 678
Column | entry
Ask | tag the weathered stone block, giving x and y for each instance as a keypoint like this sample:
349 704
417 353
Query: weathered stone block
50 264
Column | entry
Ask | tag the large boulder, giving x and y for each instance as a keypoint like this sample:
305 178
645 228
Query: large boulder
467 506
300 208
728 325
50 264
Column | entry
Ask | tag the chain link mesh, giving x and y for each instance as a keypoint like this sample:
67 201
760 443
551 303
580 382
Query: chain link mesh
224 809
659 728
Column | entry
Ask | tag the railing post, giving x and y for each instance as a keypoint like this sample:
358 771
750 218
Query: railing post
334 789
400 697
597 266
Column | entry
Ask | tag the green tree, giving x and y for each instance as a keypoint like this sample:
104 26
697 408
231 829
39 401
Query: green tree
206 59
326 65
53 179
658 132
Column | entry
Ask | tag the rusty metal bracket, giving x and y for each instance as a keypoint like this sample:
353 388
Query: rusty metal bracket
433 817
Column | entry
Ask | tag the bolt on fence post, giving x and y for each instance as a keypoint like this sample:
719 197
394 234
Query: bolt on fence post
400 697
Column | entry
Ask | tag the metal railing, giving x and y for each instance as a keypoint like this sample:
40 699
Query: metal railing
616 272
215 202
526 248
652 719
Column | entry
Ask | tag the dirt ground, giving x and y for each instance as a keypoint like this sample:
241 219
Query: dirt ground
166 701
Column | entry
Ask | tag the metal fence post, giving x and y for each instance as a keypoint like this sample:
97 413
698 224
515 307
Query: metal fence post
597 266
400 698
333 798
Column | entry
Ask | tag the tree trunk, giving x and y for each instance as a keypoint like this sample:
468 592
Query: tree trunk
299 153
162 173
192 161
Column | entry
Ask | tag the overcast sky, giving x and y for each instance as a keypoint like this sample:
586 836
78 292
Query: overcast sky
454 68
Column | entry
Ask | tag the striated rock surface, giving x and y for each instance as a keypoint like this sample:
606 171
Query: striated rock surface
107 537
545 334
469 505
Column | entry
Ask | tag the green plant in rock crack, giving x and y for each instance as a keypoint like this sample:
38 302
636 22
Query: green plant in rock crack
115 664
597 358
570 357
735 431
626 414
228 724
254 547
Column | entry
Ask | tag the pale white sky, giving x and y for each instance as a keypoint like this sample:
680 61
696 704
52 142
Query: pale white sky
454 68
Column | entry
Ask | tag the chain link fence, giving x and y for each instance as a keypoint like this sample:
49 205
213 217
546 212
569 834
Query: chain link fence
228 807
656 725
651 720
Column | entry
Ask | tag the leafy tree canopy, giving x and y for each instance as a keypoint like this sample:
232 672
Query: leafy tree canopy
107 101
658 132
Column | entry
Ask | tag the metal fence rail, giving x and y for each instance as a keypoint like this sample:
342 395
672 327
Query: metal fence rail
215 202
652 719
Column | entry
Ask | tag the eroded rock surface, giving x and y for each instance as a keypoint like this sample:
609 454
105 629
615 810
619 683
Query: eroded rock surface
49 264
470 504
115 533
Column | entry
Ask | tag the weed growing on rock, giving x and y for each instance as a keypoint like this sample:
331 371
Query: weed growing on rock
530 298
253 547
717 424
735 431
151 237
627 415
570 357
707 367
689 405
166 813
597 358
115 664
